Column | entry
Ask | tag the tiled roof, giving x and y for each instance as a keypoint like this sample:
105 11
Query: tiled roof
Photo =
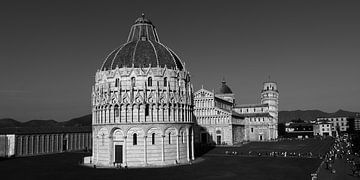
222 100
237 114
142 49
45 130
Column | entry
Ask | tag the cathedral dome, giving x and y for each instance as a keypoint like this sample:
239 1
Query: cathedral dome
142 49
224 89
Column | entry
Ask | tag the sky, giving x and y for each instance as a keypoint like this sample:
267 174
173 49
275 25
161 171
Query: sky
50 50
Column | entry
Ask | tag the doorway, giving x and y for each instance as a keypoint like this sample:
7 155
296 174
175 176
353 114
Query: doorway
218 140
261 137
118 153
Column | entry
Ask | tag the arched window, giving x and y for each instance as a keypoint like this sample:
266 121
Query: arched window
165 81
153 138
117 82
134 139
116 111
149 81
147 110
133 81
169 137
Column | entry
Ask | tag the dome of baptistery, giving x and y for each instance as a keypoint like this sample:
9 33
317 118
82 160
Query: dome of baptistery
142 104
142 49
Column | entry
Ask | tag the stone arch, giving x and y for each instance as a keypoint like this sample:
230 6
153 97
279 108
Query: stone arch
117 134
170 134
182 134
134 129
102 132
151 132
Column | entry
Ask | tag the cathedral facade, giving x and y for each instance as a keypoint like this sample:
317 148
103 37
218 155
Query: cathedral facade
142 104
220 121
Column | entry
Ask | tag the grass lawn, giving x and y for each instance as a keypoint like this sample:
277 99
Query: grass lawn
315 146
65 166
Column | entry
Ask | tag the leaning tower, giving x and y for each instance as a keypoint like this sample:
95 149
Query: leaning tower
270 96
142 104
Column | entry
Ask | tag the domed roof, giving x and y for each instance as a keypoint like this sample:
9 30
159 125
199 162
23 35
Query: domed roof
142 49
224 89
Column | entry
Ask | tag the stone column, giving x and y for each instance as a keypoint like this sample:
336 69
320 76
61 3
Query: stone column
97 149
176 113
151 112
26 145
119 110
188 144
192 145
177 148
52 139
20 145
162 148
125 151
61 142
145 150
32 144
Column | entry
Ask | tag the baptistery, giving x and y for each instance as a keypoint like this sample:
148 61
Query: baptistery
142 104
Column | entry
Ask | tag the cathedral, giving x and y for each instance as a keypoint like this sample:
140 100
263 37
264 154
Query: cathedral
142 104
220 121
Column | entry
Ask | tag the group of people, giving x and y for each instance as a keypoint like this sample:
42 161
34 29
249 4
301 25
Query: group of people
342 149
272 154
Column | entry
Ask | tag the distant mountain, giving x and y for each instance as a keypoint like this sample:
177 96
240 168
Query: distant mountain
80 121
7 122
307 115
40 123
284 116
76 122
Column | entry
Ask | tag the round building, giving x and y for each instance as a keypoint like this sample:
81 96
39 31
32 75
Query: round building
142 104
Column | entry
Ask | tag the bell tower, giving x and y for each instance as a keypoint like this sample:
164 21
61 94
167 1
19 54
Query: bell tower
270 96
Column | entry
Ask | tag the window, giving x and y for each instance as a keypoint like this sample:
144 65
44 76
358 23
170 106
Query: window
117 82
116 110
165 81
149 81
133 81
169 138
134 139
147 110
252 129
153 138
182 137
